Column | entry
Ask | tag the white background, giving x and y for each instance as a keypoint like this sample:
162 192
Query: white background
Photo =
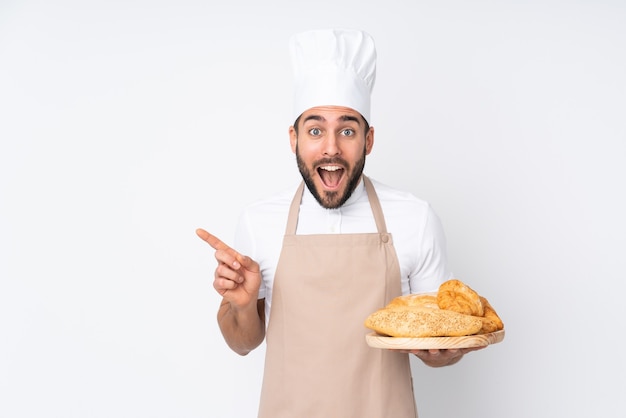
125 125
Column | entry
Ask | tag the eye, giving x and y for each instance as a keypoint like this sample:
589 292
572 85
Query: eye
347 132
315 132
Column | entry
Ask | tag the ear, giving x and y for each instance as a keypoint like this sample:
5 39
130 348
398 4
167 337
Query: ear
369 141
293 138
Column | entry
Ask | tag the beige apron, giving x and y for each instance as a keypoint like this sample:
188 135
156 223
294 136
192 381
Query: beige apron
317 361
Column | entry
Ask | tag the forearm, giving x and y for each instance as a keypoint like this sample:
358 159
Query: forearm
243 328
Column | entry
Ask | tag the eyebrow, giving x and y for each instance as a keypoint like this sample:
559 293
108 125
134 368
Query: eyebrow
344 118
347 118
313 117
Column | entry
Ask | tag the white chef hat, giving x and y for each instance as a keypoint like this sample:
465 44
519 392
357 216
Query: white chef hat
333 67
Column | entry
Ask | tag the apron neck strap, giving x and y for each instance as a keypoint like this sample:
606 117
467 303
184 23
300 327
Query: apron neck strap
377 210
294 210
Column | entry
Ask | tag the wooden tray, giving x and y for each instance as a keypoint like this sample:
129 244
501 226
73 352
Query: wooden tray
396 343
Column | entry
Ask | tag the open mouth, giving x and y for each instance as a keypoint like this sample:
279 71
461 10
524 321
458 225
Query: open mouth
331 175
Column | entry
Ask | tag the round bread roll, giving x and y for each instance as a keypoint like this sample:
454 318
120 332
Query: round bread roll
424 300
454 295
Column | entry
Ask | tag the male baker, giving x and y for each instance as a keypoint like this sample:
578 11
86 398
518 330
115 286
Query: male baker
311 264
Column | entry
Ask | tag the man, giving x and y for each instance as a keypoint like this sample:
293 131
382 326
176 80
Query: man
308 290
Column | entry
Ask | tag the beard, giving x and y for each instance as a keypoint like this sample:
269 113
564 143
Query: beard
332 200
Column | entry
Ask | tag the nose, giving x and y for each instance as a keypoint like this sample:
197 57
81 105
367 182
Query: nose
331 145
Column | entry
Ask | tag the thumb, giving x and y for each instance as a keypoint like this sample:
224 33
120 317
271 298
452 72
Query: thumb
248 263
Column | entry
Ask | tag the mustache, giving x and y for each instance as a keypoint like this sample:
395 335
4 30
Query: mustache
332 161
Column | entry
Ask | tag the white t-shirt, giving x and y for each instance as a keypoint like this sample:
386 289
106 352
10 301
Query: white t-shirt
417 233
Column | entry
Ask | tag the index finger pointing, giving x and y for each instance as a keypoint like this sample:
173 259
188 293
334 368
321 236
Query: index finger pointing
212 240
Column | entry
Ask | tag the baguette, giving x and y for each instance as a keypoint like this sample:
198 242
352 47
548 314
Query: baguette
420 322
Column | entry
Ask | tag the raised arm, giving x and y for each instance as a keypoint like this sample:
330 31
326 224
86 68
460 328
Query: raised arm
241 315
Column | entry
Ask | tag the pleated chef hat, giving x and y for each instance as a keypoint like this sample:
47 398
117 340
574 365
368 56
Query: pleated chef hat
333 67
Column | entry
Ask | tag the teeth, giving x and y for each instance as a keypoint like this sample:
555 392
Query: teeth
331 168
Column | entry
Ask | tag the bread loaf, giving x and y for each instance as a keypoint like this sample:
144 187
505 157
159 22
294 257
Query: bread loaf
455 310
419 322
416 299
